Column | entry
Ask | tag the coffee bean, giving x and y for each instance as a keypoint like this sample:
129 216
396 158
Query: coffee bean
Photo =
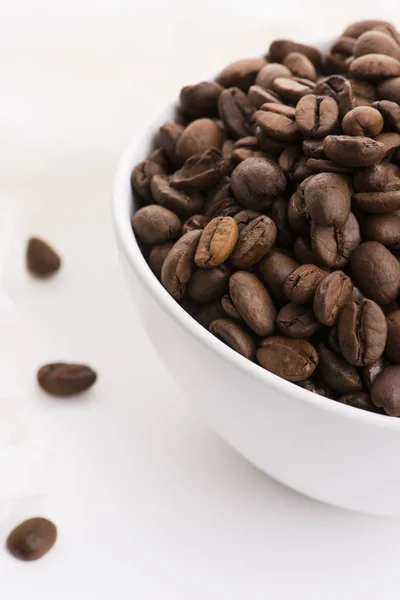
313 149
254 242
378 202
256 181
199 136
225 207
360 400
316 116
279 49
235 111
157 256
274 268
392 350
142 176
372 179
207 313
315 165
385 392
207 285
220 191
229 308
179 202
341 376
338 88
277 126
168 136
344 45
293 163
362 332
269 73
317 385
390 141
336 63
371 372
155 224
365 92
390 112
376 42
32 539
244 217
376 271
280 109
390 30
216 242
384 229
292 359
301 284
300 65
352 151
292 90
41 259
178 266
297 321
332 245
194 222
303 253
375 66
279 214
200 172
235 336
363 121
327 199
389 89
253 302
268 144
333 292
64 379
200 100
241 73
359 27
245 148
258 96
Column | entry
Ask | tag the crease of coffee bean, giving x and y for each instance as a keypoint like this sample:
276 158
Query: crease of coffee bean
317 116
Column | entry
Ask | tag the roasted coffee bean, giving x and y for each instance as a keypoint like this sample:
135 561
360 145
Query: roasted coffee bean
207 285
65 379
365 92
274 268
269 73
241 73
300 65
341 376
292 163
297 215
292 359
142 176
208 313
245 148
303 253
372 179
360 400
200 172
359 27
297 321
155 224
292 90
376 42
363 120
280 109
200 100
221 190
392 350
179 202
344 45
362 332
336 63
390 141
374 66
258 96
378 202
254 242
316 116
384 229
389 89
317 385
376 271
327 199
332 339
333 292
278 212
338 88
235 335
313 149
357 151
390 30
301 284
315 165
235 111
253 302
168 137
385 392
216 243
229 308
279 49
244 217
157 256
32 539
256 182
41 259
333 246
178 267
390 112
199 136
225 207
268 144
371 372
194 222
277 126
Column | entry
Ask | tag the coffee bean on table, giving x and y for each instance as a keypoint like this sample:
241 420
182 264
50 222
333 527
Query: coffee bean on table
253 302
235 335
279 49
376 42
297 321
32 539
385 392
359 27
333 292
292 359
338 88
376 271
292 90
41 259
277 126
362 332
216 242
178 266
65 379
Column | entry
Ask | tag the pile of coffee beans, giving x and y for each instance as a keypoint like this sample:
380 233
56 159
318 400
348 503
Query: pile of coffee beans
270 211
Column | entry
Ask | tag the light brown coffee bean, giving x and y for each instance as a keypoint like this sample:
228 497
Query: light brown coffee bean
179 202
216 243
41 259
301 284
359 27
333 292
234 335
363 120
178 266
291 90
258 96
376 42
376 271
253 302
200 100
280 109
269 73
254 242
64 379
316 116
291 359
256 182
300 65
155 224
32 539
241 73
354 151
375 66
199 136
344 45
207 285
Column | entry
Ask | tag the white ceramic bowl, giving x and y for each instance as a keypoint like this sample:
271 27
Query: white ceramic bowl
329 451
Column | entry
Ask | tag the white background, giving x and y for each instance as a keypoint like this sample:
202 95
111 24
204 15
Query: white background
149 503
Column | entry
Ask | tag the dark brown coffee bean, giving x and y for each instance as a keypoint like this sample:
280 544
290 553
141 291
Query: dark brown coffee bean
301 284
235 335
337 373
390 141
316 116
333 246
334 291
392 350
253 302
376 42
225 207
338 88
157 256
277 126
254 242
168 137
279 49
389 89
32 539
336 63
362 333
64 379
241 73
179 202
279 214
390 112
207 285
385 391
372 179
244 217
313 149
359 400
327 199
293 163
300 65
280 109
371 372
378 202
142 176
303 253
194 222
41 259
297 321
363 120
268 144
198 137
384 229
178 267
208 313
235 111
247 147
344 45
315 165
217 242
359 27
292 359
200 172
229 308
317 385
352 151
365 92
376 271
221 190
291 90
200 100
375 66
269 73
274 268
258 96
155 224
256 182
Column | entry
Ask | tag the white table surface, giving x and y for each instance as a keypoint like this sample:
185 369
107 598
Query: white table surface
149 503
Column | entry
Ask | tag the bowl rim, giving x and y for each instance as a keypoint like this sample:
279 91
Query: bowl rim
122 202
